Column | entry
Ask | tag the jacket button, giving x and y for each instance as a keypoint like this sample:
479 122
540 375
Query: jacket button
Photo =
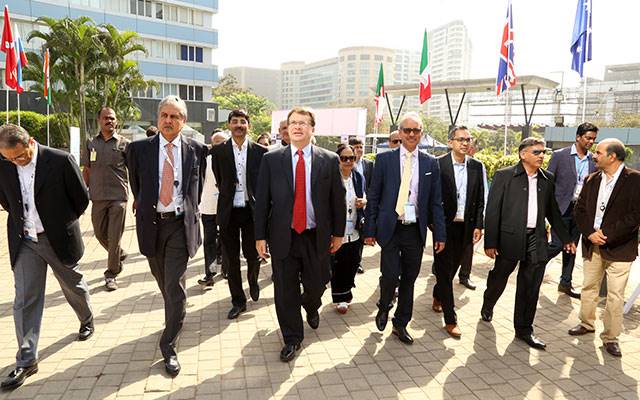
154 206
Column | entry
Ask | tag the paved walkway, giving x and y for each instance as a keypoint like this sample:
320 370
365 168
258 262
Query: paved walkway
345 358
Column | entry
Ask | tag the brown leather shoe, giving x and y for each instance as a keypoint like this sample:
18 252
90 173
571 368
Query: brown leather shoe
579 330
453 330
437 306
613 348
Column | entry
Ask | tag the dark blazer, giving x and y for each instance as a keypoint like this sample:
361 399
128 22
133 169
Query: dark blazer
274 200
563 167
142 161
474 206
506 214
224 169
621 217
367 169
380 215
60 196
357 180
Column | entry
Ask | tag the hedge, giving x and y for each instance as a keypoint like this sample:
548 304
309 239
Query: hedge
36 125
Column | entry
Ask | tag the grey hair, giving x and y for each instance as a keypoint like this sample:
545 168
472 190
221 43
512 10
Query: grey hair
410 115
219 135
454 129
175 101
11 135
615 146
530 141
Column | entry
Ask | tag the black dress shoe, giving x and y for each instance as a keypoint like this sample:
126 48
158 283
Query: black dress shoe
468 284
613 348
532 341
568 290
235 311
360 269
86 331
579 330
402 334
486 315
289 352
17 377
381 319
172 366
206 281
254 291
313 319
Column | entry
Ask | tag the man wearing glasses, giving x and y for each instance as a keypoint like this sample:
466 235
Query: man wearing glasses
403 199
520 199
394 140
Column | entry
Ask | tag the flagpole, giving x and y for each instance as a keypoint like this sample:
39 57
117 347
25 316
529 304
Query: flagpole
48 123
18 99
506 125
584 99
7 89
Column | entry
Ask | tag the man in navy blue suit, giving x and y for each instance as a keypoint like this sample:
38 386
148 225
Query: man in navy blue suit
403 199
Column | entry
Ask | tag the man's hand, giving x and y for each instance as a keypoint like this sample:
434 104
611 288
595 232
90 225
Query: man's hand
370 241
133 206
491 253
477 235
336 242
598 238
360 203
261 247
570 248
438 247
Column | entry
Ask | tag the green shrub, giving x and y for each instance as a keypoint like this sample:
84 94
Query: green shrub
36 125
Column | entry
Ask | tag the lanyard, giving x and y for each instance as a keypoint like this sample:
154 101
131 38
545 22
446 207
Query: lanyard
25 189
461 174
583 164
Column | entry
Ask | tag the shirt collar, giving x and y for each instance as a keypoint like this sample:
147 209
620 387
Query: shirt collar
574 151
453 160
617 174
404 151
244 146
114 136
306 150
175 142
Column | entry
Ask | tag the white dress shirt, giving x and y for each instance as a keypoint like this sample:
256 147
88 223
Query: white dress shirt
532 206
209 202
415 174
460 175
604 193
306 154
351 234
241 197
176 201
27 177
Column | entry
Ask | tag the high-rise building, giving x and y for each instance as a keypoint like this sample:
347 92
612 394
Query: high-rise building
313 85
261 81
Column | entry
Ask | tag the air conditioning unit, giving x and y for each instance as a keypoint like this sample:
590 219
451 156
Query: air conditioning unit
211 114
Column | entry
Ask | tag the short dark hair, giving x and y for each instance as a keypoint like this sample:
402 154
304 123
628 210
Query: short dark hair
530 141
355 141
12 135
238 114
616 148
454 129
104 108
304 111
586 127
264 135
151 131
343 146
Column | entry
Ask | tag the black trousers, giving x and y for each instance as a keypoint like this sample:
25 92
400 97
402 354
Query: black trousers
344 268
240 223
465 262
400 261
211 243
530 275
446 265
302 264
169 267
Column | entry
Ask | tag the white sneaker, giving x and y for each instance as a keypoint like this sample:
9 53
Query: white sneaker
110 284
342 308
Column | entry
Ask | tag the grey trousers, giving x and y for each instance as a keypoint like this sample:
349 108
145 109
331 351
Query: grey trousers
107 217
30 275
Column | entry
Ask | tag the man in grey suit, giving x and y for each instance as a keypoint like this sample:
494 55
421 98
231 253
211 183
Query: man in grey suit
570 166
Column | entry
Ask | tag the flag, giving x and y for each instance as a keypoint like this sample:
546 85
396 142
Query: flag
8 47
581 38
506 71
425 72
379 97
22 60
46 84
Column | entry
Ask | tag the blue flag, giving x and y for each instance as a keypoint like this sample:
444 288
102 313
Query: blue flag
581 38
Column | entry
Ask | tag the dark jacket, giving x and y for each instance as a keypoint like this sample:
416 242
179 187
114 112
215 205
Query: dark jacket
367 171
563 167
60 196
357 180
506 214
621 217
142 161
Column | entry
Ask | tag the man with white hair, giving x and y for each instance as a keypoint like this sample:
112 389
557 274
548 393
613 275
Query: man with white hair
166 172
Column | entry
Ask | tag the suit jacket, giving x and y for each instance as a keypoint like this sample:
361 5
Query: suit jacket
274 200
357 180
474 205
224 169
142 161
563 167
621 217
367 171
60 196
506 214
380 215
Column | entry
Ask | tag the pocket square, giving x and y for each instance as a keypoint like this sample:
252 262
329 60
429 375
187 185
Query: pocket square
427 173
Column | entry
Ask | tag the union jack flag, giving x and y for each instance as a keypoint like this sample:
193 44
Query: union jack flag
506 72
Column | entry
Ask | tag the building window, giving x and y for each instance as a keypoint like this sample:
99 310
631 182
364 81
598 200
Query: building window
351 57
364 56
189 92
199 54
378 58
159 10
190 53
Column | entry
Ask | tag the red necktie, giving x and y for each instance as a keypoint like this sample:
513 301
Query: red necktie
299 197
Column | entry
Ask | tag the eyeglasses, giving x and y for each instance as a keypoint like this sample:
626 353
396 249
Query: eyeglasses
22 157
302 124
463 140
396 141
411 130
347 158
538 152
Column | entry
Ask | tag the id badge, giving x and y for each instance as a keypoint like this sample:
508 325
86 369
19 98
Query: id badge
409 213
350 228
238 199
93 155
576 193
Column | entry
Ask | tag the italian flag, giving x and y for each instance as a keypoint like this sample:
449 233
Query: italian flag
45 84
379 97
425 72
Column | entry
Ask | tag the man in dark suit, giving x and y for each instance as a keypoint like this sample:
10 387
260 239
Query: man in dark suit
403 199
235 166
520 199
300 212
608 216
166 173
570 166
463 202
43 191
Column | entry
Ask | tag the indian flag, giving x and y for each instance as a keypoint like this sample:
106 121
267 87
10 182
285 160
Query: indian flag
45 68
379 97
425 72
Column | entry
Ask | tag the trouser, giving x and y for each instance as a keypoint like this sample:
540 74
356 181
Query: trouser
302 264
556 246
30 275
400 261
344 268
240 223
169 267
617 273
446 265
466 260
530 275
107 217
211 243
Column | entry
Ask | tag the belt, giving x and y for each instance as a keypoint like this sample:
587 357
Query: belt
402 222
531 231
168 215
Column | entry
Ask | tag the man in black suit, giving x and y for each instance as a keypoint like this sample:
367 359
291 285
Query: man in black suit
365 168
43 191
166 172
463 202
404 198
300 212
235 166
520 199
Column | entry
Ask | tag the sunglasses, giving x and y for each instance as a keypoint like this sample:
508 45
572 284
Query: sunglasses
347 158
396 141
538 152
411 130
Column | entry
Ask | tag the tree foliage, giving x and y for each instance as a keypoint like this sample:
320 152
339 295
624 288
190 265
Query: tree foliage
36 125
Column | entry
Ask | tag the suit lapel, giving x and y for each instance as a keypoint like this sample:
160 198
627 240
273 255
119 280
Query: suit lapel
316 164
617 188
572 167
287 167
232 159
471 180
395 170
422 170
187 162
42 170
154 159
450 176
